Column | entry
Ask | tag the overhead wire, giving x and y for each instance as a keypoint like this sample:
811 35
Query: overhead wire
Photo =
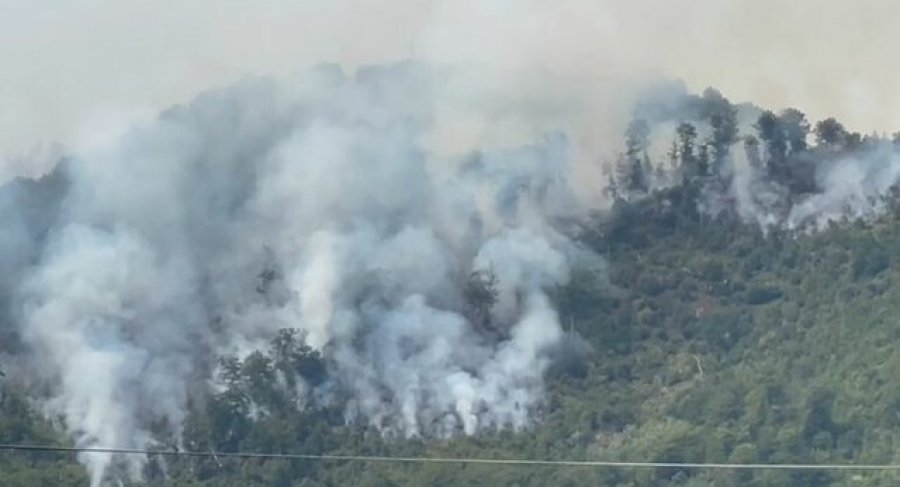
451 460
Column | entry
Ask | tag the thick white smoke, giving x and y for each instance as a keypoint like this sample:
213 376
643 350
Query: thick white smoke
843 181
851 186
152 264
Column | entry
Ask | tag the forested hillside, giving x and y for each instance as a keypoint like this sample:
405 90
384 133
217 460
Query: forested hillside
745 311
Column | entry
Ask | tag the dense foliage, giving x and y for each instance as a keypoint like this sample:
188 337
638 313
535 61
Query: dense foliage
707 340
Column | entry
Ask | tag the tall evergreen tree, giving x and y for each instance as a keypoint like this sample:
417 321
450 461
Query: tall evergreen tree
751 149
771 133
796 129
830 134
686 136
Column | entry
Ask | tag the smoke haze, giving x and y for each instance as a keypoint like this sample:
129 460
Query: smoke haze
80 72
355 200
307 203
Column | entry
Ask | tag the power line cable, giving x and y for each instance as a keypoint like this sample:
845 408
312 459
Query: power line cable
446 460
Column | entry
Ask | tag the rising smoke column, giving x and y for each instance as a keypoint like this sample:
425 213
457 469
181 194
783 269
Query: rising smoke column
854 185
151 266
844 181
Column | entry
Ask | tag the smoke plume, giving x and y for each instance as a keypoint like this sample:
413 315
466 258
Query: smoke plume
781 181
311 203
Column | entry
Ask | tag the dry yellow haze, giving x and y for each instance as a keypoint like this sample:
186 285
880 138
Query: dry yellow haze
77 71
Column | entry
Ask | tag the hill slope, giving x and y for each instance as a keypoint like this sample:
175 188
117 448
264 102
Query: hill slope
709 342
727 308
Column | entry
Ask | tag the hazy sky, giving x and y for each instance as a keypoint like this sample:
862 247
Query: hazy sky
77 71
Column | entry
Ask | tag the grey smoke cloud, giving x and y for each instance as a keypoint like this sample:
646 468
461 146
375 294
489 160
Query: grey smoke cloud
374 195
839 183
150 265
80 72
853 187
